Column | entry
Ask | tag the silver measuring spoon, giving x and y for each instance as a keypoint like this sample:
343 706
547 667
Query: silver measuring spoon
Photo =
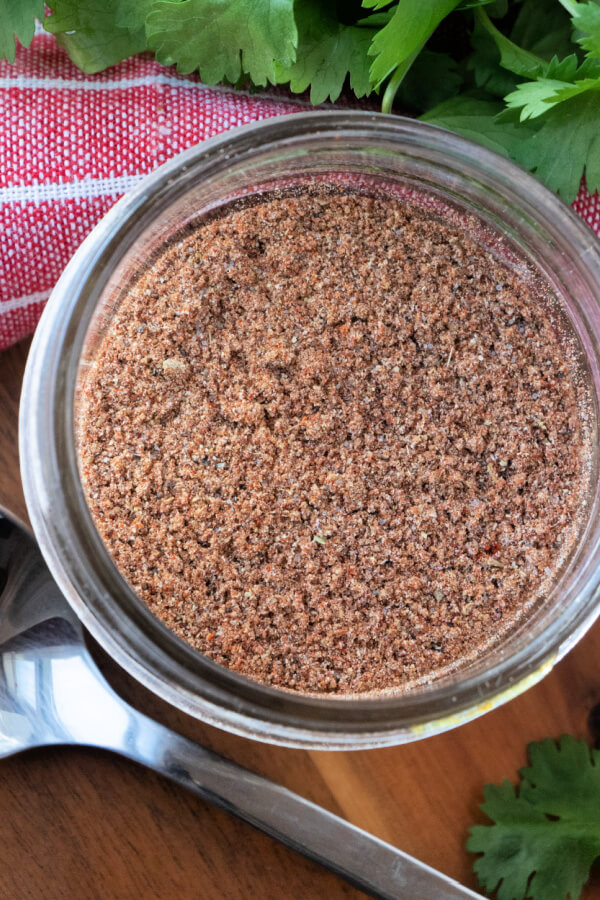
52 692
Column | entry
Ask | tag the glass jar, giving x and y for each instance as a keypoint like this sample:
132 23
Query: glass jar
408 156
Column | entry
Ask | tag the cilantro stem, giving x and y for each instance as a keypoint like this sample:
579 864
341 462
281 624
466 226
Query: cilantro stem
396 80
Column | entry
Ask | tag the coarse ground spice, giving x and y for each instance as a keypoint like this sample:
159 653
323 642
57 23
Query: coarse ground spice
334 443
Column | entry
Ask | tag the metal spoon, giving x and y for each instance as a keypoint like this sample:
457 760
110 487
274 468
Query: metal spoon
52 692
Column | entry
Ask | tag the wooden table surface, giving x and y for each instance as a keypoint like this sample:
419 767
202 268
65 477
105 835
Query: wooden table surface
79 823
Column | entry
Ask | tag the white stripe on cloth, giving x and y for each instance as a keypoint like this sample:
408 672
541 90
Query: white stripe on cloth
25 82
43 192
22 82
7 306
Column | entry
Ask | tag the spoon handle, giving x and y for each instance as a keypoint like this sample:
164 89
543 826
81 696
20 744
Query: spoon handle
362 859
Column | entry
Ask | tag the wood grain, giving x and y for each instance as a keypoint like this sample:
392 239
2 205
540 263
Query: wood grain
82 824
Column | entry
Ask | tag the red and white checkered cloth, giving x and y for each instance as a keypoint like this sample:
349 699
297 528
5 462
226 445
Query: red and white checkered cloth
71 144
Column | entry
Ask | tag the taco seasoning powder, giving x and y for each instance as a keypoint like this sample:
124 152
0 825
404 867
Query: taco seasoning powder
335 442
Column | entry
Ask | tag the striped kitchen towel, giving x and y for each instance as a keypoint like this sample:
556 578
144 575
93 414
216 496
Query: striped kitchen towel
71 145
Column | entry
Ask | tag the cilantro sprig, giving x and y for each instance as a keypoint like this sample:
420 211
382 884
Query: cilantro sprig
520 76
546 835
17 20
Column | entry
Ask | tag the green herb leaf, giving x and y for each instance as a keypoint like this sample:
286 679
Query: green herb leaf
586 19
484 63
512 57
566 147
376 20
433 78
546 836
533 98
476 119
378 4
224 38
131 14
91 33
412 24
493 7
567 91
18 21
543 27
328 51
553 40
563 79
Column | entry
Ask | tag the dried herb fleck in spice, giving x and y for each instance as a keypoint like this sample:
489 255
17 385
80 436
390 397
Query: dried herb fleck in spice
334 443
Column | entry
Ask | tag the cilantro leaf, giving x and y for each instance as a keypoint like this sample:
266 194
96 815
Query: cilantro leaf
131 14
376 20
586 19
566 147
433 78
563 79
533 98
376 4
566 91
512 57
495 8
224 38
91 34
553 39
327 52
484 63
569 69
536 97
412 24
546 837
18 20
476 119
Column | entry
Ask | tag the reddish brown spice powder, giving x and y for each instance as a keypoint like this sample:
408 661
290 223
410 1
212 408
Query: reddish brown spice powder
334 443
